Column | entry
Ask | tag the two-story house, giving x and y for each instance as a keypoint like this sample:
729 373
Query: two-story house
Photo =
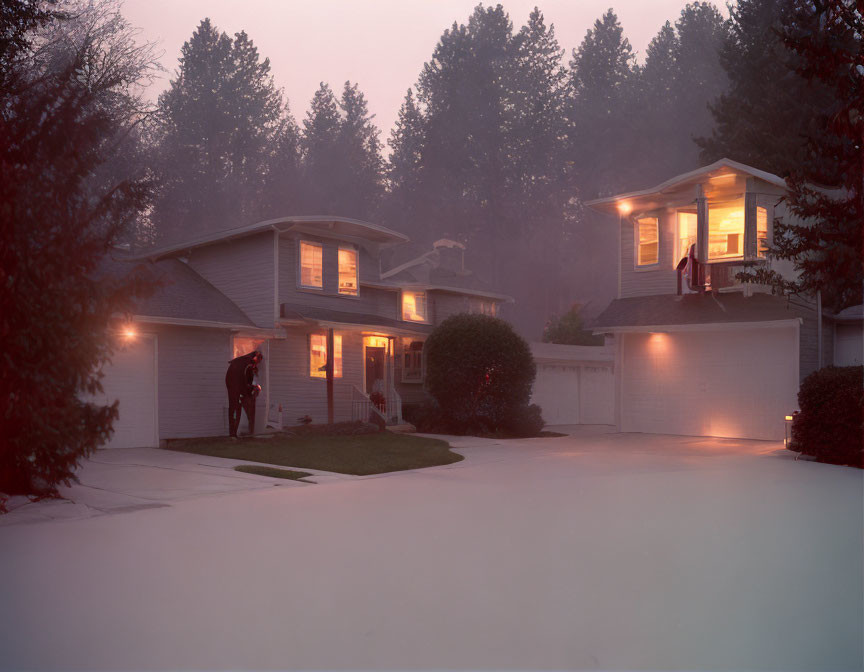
279 286
696 351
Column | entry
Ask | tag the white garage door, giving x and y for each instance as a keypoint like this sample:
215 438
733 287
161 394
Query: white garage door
710 383
131 378
556 391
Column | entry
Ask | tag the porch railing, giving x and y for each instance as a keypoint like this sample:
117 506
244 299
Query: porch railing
363 408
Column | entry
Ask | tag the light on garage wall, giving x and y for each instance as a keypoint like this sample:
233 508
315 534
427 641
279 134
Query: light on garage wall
129 331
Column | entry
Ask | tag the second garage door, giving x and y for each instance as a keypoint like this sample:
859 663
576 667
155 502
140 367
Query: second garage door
727 383
131 379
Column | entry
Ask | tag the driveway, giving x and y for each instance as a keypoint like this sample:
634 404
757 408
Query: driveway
593 551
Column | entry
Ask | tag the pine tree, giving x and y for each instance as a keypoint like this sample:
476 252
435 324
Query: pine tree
769 110
218 121
359 185
56 225
824 236
320 147
284 184
404 169
602 112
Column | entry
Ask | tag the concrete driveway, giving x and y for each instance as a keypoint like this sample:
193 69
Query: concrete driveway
594 551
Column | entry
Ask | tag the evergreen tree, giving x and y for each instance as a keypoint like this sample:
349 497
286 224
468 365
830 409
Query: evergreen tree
769 110
603 111
219 119
359 185
56 225
321 157
404 170
824 235
284 184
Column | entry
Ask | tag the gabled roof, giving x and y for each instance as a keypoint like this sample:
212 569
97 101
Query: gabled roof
345 226
692 309
675 186
181 295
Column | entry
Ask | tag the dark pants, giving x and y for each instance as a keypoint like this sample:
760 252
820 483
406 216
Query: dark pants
236 406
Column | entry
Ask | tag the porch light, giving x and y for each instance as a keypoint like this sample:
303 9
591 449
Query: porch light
129 332
624 208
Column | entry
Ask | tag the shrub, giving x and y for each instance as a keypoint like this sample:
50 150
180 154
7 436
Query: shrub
479 371
525 422
829 426
427 417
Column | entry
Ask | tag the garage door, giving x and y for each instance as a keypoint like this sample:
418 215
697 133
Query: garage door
131 379
710 383
556 391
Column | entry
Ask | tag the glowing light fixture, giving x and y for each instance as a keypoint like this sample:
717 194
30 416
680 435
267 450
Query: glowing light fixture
624 208
129 332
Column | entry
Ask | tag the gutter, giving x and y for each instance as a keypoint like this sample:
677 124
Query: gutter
702 326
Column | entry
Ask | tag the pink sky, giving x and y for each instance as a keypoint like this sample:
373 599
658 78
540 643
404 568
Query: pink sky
380 44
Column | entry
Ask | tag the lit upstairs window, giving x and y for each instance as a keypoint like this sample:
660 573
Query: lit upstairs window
414 306
761 232
347 271
318 355
648 251
726 231
311 265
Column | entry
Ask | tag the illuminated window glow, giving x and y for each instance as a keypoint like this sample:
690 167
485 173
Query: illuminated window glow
311 265
414 306
726 231
761 232
318 355
484 307
347 271
686 234
649 241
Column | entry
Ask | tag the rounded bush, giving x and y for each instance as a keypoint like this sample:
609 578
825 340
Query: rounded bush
479 371
829 425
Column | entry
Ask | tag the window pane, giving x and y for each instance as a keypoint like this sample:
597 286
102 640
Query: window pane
726 231
311 267
648 252
761 232
414 306
348 272
318 355
687 228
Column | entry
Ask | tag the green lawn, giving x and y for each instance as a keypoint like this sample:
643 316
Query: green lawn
359 455
272 472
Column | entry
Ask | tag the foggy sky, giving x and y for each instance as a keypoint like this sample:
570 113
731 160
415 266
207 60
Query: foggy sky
379 44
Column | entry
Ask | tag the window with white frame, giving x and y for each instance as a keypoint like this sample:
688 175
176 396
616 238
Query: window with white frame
348 271
687 232
648 241
726 230
761 232
311 265
483 307
318 355
414 306
412 361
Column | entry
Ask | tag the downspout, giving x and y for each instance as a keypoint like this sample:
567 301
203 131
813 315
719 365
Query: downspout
819 326
702 237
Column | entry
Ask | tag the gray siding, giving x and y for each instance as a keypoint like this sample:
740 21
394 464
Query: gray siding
444 305
241 269
369 301
809 339
192 396
299 393
659 279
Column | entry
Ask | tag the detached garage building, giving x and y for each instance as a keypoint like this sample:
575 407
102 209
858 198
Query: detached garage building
722 365
698 351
